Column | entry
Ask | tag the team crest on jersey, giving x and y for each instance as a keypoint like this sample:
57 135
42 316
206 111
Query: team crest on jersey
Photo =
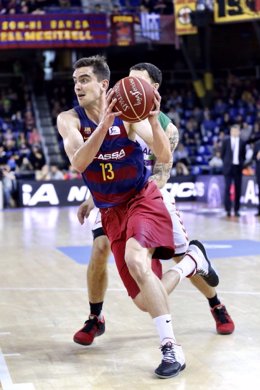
114 130
87 130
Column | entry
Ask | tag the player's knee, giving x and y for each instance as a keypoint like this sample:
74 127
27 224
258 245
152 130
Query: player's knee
100 249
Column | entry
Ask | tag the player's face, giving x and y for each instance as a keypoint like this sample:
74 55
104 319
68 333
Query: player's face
86 86
143 74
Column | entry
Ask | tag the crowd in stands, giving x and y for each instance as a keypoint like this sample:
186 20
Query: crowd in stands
20 141
203 129
163 7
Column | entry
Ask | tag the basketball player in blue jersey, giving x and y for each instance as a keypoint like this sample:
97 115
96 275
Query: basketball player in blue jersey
103 148
97 278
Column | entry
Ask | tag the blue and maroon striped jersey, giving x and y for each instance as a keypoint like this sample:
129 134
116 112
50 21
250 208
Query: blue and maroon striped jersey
117 172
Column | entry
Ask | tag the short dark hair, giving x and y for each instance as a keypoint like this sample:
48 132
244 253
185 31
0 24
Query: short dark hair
235 125
98 63
154 73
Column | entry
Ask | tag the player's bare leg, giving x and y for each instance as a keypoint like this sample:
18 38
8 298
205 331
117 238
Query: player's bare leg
194 261
97 280
97 275
155 300
224 323
138 260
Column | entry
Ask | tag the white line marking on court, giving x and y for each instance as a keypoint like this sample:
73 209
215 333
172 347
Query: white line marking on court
51 289
218 246
225 292
4 333
5 378
61 289
11 354
42 289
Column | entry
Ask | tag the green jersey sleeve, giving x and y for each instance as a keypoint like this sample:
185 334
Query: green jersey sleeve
164 120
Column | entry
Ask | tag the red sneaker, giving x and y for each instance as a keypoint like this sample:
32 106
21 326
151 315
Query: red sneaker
224 323
93 327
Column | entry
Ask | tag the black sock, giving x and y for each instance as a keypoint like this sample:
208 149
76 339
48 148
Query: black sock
95 308
214 301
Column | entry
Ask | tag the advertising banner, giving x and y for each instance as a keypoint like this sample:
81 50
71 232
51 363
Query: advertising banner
53 31
155 28
182 11
122 30
208 189
226 11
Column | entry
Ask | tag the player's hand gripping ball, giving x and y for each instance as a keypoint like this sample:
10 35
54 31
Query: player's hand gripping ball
135 98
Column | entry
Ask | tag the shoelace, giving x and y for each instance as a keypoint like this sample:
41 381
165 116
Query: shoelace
168 353
202 272
222 315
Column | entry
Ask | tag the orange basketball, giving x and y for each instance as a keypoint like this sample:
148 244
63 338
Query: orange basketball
135 98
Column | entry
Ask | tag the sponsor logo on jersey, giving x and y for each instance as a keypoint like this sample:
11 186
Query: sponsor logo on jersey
111 156
114 130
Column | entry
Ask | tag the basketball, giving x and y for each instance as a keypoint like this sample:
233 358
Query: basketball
135 98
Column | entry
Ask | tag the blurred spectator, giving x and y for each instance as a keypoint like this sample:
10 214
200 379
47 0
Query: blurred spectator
56 173
147 6
248 170
37 158
174 115
246 131
25 165
71 174
116 9
3 156
163 7
34 137
18 121
216 163
29 119
180 169
249 154
181 154
9 185
256 130
98 8
51 172
43 173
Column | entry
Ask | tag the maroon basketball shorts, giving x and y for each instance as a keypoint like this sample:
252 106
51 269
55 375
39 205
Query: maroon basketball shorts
146 219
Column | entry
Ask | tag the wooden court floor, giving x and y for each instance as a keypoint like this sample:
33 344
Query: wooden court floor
43 302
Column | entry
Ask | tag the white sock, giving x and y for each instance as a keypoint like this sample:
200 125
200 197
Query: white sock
164 328
186 266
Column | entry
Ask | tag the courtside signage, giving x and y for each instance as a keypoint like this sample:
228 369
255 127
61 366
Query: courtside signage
207 189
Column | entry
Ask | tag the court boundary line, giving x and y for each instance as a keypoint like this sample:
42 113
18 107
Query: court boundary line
79 289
